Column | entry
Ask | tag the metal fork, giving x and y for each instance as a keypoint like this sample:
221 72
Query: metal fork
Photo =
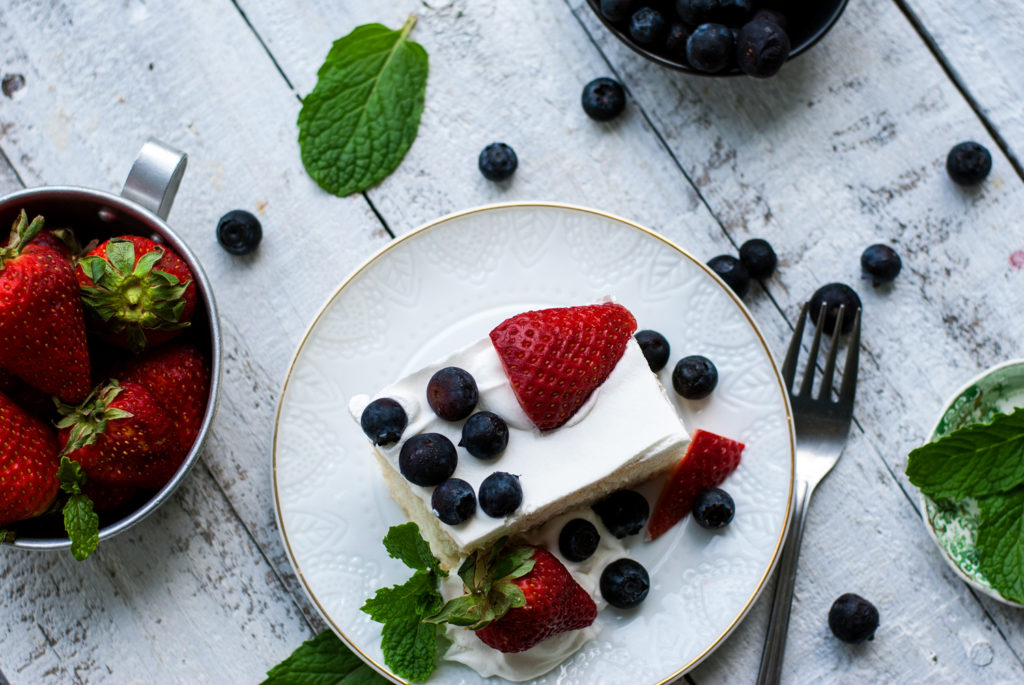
821 427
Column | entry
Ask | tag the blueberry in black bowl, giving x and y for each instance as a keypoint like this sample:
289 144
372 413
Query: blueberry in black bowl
578 540
731 270
831 296
694 377
647 26
762 47
603 99
880 263
497 162
239 232
655 348
675 41
484 435
758 257
618 10
623 513
453 501
711 48
625 583
697 12
968 163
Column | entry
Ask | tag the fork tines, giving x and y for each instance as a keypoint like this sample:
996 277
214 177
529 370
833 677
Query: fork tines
849 379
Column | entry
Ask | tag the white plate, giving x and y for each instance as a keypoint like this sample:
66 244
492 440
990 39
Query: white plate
449 283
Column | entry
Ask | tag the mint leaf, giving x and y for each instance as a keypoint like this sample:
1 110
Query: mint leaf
974 461
80 521
404 542
410 646
1000 542
322 660
362 116
417 596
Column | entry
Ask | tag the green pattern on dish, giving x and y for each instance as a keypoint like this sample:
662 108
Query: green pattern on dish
955 524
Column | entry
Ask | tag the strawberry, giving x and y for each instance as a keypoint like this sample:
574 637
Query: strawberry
178 377
708 460
140 292
517 598
28 464
105 496
555 358
42 329
121 435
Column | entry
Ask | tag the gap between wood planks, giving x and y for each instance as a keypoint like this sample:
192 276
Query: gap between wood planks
298 97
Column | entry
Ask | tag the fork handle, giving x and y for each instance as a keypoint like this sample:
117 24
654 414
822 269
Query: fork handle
778 619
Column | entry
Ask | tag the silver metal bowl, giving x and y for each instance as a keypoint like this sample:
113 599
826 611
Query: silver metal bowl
141 209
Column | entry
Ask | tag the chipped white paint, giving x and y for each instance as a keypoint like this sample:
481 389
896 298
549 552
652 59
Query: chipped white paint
845 147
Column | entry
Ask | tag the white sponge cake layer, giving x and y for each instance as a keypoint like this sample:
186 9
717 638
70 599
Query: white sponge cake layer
626 432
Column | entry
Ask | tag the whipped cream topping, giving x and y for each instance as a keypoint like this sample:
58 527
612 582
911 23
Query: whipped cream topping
627 420
466 647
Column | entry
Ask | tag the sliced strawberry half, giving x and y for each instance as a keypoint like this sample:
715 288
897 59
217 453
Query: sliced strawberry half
555 358
709 459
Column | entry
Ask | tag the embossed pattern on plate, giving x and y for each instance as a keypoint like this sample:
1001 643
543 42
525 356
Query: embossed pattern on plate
449 283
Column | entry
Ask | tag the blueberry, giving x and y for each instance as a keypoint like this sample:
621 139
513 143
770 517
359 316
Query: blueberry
617 10
711 48
497 162
713 508
239 232
647 26
427 459
655 349
453 501
853 618
732 271
484 435
758 257
578 540
694 377
880 263
603 99
623 513
625 583
831 296
383 421
762 48
500 494
968 163
735 12
675 41
452 393
773 16
697 12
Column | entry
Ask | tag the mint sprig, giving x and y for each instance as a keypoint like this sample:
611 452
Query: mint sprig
974 461
80 521
321 660
983 461
362 116
410 645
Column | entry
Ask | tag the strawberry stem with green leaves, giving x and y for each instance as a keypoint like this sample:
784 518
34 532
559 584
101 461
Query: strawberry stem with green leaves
134 296
88 420
22 232
490 592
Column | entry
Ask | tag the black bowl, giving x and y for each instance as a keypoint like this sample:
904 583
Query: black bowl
808 22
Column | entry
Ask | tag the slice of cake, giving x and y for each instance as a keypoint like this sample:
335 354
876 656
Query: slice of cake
584 415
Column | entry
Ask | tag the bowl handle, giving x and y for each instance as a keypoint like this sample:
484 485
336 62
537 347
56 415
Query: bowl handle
155 176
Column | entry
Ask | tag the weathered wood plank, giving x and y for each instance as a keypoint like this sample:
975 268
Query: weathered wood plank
981 44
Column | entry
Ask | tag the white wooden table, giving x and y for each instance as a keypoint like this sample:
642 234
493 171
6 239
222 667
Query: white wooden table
844 148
